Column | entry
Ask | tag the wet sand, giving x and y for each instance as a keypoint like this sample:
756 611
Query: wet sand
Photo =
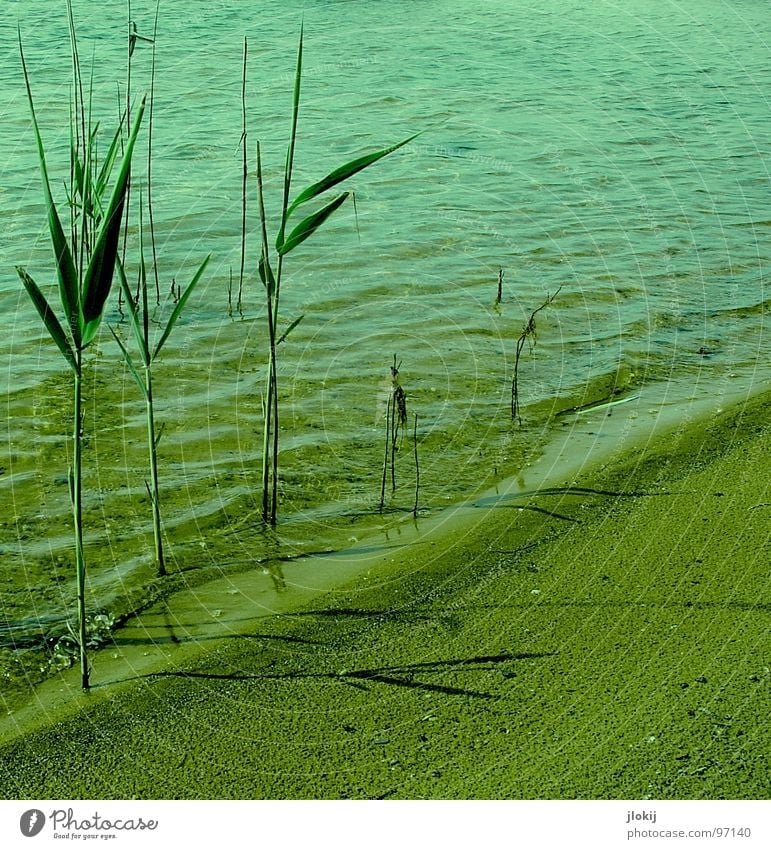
602 637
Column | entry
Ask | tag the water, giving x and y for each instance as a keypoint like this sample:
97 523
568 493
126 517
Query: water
619 151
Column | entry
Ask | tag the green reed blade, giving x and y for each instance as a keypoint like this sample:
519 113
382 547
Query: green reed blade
344 172
109 160
289 329
265 269
308 226
69 290
88 191
130 363
180 306
136 321
266 274
289 165
80 188
98 277
49 317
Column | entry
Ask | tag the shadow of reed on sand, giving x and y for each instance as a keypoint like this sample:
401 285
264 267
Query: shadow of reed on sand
398 675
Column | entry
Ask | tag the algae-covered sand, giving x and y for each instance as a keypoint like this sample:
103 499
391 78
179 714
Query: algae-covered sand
603 638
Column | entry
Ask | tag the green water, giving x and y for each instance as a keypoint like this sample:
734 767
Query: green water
618 151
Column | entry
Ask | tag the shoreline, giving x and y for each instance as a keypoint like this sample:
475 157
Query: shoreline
506 657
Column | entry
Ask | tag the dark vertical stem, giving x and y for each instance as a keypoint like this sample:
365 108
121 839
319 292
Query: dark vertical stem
155 492
150 159
73 190
147 360
130 49
385 456
499 296
244 176
270 433
394 436
417 466
528 332
268 413
274 493
76 490
131 41
271 400
515 381
81 138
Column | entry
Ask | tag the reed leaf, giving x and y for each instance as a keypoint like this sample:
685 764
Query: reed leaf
266 271
109 161
292 137
136 321
308 226
289 329
130 363
343 173
49 317
79 175
266 274
101 267
69 289
180 306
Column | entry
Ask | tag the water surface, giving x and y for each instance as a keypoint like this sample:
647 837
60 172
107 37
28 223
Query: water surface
618 151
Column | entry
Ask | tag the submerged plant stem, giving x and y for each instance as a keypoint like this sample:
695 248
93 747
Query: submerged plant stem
154 488
76 493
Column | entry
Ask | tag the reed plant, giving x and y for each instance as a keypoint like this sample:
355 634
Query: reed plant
271 270
140 318
85 266
138 304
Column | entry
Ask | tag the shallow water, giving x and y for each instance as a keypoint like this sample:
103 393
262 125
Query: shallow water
620 152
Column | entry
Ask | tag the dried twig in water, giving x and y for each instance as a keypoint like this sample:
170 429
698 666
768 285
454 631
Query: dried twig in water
396 418
528 333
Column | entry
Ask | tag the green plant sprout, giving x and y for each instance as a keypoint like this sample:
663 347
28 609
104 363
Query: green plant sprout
271 272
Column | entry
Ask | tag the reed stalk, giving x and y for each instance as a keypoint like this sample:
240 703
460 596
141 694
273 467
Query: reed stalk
140 322
76 496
